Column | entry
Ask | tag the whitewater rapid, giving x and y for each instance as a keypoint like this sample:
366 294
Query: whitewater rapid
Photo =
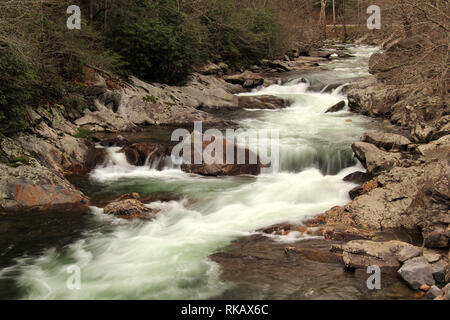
168 258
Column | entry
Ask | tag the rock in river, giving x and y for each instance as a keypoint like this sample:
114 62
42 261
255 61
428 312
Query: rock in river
262 102
337 107
218 166
417 272
129 208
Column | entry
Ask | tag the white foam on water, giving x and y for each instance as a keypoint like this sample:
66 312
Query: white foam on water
167 257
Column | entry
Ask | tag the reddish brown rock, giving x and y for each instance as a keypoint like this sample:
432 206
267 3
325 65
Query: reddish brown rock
357 177
364 189
139 153
224 169
47 196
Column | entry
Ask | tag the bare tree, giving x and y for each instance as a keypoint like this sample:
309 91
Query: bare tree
323 17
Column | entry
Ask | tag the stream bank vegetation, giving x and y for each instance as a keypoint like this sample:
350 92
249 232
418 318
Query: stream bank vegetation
44 63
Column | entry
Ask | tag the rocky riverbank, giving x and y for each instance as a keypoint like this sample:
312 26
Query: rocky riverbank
405 189
405 186
34 165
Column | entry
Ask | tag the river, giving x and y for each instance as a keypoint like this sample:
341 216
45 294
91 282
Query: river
168 258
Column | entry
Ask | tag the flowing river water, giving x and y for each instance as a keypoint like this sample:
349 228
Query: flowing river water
167 258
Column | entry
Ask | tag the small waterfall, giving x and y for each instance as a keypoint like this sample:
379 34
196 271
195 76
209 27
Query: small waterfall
339 89
115 158
116 167
328 161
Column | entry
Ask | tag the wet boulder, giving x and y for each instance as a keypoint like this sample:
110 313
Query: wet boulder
218 166
320 54
388 141
277 65
337 107
364 189
129 209
357 177
346 233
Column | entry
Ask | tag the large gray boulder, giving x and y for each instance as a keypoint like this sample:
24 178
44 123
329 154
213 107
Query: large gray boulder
32 186
212 167
388 141
374 159
417 272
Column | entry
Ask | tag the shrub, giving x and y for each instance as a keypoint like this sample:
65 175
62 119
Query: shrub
83 133
243 36
17 87
161 48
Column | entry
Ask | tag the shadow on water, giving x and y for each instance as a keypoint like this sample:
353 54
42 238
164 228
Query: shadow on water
32 236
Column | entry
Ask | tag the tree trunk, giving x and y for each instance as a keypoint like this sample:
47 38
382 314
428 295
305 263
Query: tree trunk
344 22
334 19
323 16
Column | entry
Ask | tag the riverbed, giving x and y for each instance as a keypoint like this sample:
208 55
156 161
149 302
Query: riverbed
167 258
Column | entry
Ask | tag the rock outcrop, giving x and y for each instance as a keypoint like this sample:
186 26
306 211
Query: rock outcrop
129 209
32 186
216 164
137 103
33 165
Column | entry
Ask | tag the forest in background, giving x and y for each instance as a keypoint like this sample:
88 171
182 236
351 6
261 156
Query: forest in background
42 62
